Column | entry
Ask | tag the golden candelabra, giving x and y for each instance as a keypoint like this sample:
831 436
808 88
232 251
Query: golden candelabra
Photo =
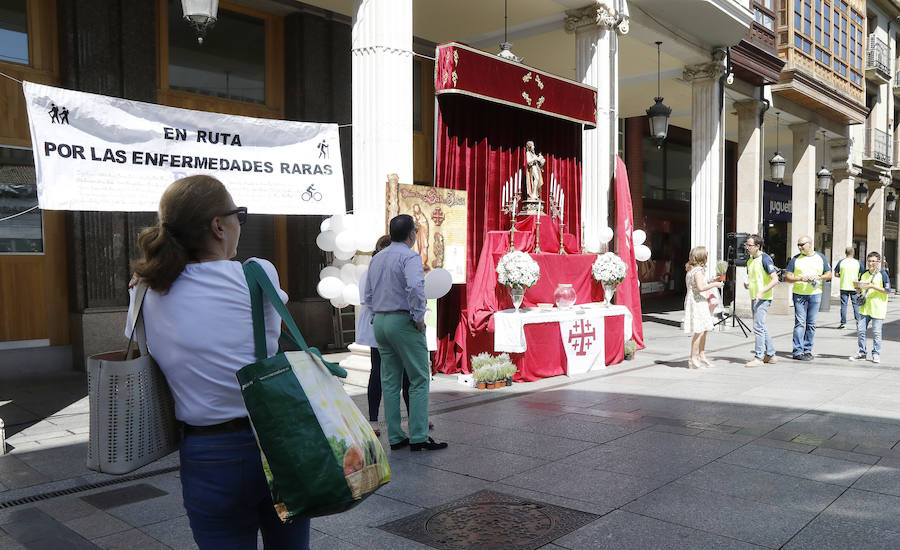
512 208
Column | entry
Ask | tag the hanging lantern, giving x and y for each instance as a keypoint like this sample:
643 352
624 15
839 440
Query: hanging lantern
891 201
658 114
777 162
201 14
860 194
823 180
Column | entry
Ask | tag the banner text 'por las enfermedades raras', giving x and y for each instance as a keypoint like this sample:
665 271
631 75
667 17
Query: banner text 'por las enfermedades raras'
100 153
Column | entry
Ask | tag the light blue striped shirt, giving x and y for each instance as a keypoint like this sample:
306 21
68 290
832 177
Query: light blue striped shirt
395 281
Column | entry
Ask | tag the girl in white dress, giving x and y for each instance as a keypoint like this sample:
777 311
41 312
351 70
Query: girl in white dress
697 318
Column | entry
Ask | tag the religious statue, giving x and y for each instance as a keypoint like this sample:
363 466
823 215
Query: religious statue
534 177
421 246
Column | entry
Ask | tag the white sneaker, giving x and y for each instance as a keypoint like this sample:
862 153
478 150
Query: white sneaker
876 358
858 357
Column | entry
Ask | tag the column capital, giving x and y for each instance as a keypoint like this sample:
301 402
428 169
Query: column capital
803 127
748 107
711 70
599 14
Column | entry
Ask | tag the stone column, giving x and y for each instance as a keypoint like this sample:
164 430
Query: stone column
707 155
749 181
803 183
875 217
596 64
381 48
842 218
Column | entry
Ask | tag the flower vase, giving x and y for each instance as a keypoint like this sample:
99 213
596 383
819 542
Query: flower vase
517 295
609 289
564 296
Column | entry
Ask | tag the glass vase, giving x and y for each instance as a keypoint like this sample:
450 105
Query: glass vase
517 295
609 289
564 296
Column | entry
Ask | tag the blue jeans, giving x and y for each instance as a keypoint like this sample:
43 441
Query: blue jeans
876 333
849 295
764 342
227 498
806 309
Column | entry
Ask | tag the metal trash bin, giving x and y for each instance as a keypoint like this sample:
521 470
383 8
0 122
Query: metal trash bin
826 296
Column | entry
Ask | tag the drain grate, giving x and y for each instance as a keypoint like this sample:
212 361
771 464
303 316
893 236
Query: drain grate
82 488
487 520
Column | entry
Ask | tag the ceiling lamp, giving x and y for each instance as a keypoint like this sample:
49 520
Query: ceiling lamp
201 14
891 201
658 114
823 176
860 194
777 162
506 45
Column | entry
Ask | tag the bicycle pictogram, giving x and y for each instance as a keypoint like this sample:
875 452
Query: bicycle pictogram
311 194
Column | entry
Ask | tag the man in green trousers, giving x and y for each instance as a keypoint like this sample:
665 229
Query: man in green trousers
395 290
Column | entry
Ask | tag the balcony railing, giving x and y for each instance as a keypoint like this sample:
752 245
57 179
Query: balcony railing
878 57
878 146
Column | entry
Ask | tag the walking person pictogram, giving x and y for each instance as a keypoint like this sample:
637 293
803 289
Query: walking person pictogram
64 116
323 149
54 113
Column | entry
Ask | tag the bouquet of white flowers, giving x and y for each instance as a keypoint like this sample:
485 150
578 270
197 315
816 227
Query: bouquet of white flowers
518 270
608 268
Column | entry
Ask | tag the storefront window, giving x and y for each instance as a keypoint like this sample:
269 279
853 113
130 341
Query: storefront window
231 62
20 219
14 31
667 171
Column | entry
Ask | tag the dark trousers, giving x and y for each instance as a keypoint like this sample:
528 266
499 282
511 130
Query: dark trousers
374 391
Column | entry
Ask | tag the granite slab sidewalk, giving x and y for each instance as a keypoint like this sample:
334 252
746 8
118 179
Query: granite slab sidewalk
793 455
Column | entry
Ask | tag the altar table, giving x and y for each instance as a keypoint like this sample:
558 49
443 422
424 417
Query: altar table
562 341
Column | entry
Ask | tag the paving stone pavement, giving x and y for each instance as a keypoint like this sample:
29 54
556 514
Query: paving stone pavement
794 455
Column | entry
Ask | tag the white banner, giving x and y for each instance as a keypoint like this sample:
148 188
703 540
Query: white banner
584 342
93 152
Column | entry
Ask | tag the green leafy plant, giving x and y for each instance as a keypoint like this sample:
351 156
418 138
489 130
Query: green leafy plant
630 347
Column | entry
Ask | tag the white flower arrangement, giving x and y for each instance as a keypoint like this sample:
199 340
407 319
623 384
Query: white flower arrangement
608 268
518 270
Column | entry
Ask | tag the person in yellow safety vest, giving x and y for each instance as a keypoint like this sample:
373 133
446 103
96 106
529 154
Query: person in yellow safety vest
874 285
806 270
848 270
762 277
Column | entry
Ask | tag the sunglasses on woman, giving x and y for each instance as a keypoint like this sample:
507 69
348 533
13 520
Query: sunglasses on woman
241 212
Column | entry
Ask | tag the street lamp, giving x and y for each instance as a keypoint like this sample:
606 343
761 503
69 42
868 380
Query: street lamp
891 201
860 194
201 14
776 163
658 114
823 176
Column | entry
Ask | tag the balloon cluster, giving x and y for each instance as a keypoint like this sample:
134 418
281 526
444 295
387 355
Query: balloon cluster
339 282
641 251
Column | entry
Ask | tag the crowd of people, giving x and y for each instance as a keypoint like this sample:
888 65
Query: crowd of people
863 286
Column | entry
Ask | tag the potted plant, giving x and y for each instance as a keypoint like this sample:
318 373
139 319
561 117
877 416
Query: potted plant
721 269
517 271
480 378
610 270
630 347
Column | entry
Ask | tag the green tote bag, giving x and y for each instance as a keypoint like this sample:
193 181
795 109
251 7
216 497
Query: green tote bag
319 453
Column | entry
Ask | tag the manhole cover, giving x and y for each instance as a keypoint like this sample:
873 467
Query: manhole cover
488 519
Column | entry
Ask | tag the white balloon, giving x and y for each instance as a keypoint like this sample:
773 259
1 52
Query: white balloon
348 275
365 242
325 241
349 222
639 236
344 254
338 263
329 271
337 223
330 287
350 294
606 235
437 283
326 225
336 302
345 241
642 253
360 271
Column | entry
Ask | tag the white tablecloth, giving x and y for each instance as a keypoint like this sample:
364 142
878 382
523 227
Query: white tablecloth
509 333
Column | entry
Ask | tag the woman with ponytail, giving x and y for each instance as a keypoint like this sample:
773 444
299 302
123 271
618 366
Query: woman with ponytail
200 331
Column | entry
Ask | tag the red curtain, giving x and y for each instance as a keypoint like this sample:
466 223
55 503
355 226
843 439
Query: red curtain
480 146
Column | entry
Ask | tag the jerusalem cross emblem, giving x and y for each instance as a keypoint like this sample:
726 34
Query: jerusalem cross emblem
581 336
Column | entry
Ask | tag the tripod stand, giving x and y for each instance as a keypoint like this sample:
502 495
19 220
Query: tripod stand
735 320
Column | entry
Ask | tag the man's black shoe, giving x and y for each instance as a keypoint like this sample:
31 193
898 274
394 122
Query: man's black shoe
400 445
430 445
798 356
841 325
806 357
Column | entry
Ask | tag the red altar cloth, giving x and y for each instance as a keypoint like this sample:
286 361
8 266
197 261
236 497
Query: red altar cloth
546 357
549 235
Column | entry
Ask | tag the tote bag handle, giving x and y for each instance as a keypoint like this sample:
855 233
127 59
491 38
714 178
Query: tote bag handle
259 284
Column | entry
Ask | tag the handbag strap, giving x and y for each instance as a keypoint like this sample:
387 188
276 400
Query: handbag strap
259 285
137 325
